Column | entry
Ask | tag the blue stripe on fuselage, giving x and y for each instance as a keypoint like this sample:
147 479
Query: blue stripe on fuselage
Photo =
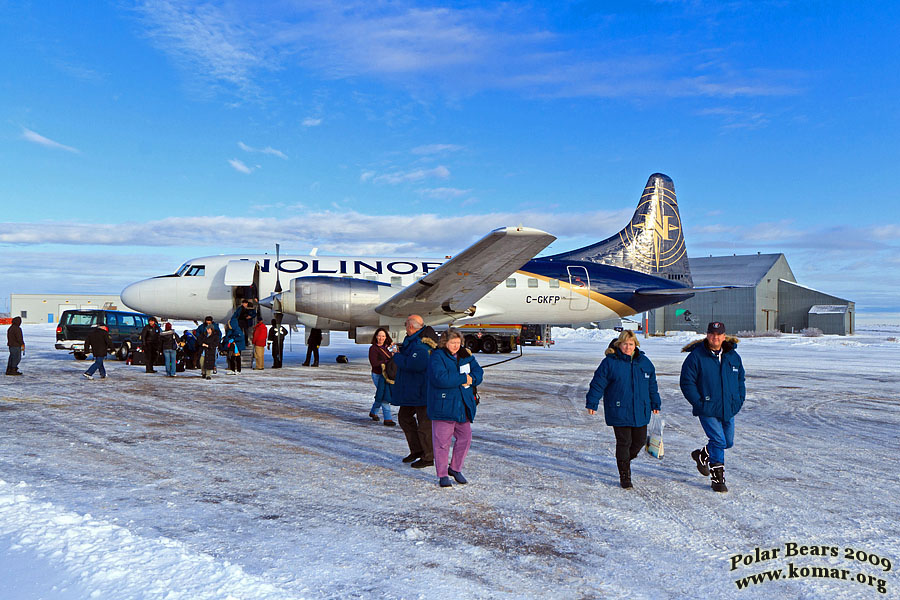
615 282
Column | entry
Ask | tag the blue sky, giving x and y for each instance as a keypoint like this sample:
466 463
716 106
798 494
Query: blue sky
139 134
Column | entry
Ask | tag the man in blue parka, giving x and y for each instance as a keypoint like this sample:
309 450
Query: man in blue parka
712 380
409 392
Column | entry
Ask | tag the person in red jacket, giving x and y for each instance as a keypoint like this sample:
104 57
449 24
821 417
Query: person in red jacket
259 344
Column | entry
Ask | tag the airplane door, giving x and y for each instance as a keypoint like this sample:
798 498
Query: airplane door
243 277
579 286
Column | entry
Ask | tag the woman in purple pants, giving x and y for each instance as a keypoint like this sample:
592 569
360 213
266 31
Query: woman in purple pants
453 374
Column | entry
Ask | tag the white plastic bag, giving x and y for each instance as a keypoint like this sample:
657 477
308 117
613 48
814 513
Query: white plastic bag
655 436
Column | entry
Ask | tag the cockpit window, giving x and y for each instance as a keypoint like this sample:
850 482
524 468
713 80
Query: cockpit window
196 271
182 269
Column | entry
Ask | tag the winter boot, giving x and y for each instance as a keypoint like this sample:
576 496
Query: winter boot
701 457
458 476
717 477
625 475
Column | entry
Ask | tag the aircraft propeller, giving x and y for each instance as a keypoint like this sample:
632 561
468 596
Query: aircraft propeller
277 307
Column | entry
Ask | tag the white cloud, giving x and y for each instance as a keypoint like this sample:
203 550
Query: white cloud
239 166
267 150
443 193
457 50
37 138
335 229
436 149
210 42
398 177
311 122
827 264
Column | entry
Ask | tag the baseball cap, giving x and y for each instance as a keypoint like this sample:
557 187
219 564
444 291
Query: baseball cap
715 327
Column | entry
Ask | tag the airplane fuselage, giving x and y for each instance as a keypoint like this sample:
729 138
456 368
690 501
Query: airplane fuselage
542 291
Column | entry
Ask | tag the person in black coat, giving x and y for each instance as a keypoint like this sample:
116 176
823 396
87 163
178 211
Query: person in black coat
99 344
245 318
16 344
312 347
150 343
276 343
208 341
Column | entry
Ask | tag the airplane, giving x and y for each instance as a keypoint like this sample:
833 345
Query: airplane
495 280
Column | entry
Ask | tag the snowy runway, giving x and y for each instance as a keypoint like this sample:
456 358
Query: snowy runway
277 485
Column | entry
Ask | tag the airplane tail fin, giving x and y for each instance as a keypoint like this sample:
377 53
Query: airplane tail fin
653 242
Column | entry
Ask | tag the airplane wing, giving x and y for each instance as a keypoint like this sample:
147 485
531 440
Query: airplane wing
454 287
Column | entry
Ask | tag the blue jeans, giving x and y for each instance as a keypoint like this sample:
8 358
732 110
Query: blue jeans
15 355
721 436
382 396
169 355
98 364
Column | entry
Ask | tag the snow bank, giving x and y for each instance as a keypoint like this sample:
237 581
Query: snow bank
104 560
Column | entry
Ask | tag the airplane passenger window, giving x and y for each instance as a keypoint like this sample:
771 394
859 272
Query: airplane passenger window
395 280
511 282
196 271
532 282
554 283
371 278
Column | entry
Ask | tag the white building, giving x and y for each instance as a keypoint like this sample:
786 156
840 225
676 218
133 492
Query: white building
46 308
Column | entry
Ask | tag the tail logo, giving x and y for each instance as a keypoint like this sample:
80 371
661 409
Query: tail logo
657 240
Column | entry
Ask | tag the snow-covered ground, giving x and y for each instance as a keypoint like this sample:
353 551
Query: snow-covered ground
276 485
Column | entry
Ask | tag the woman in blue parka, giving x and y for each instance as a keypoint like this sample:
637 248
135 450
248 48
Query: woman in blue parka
453 374
626 380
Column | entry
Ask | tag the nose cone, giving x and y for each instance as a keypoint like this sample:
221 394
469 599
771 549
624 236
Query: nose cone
151 296
131 296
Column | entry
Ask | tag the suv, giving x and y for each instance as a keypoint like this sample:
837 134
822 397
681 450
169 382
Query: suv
124 330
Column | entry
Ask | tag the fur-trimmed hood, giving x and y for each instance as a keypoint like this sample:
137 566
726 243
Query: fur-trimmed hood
728 345
429 337
613 350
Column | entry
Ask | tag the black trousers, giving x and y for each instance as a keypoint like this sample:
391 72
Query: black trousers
629 441
312 350
150 355
234 362
277 354
416 426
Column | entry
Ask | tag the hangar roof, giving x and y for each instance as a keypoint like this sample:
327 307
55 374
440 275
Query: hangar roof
829 309
745 270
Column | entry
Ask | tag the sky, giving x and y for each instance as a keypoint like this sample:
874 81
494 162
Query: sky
136 135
